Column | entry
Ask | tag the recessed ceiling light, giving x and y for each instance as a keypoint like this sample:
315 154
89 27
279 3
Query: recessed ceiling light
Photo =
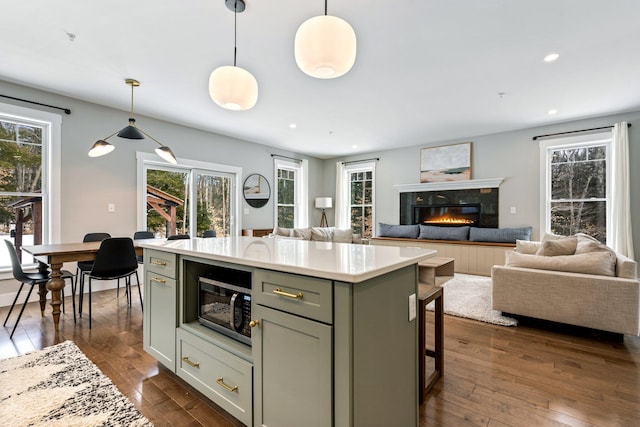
292 125
551 57
552 112
354 146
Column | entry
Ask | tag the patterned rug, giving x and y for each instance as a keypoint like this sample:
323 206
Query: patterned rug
470 296
59 386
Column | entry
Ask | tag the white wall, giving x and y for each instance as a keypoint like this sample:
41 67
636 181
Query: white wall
89 184
513 156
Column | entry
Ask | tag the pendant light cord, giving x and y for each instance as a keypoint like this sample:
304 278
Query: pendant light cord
235 32
325 7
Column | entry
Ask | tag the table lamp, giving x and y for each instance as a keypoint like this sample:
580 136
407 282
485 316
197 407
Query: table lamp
323 203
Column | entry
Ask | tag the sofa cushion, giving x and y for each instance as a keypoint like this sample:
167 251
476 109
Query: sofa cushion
304 233
558 247
343 235
598 263
499 235
527 247
281 231
406 231
433 232
322 234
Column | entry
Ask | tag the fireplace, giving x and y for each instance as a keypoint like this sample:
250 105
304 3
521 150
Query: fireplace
447 215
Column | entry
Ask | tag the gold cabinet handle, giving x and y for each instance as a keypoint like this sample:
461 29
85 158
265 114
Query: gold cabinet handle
280 292
158 262
254 323
189 362
158 280
221 382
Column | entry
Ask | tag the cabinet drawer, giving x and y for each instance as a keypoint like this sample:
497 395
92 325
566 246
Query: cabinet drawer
160 262
222 377
302 295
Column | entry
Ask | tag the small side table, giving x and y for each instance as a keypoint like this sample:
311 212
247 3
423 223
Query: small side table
426 294
436 270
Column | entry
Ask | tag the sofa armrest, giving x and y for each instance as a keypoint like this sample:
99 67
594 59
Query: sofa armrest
626 267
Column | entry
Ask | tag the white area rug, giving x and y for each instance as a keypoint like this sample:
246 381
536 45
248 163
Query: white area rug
59 386
470 296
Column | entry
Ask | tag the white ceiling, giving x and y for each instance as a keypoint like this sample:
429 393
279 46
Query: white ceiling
426 70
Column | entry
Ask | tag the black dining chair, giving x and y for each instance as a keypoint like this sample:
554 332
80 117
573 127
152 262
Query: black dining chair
139 235
32 279
178 237
116 259
84 267
209 233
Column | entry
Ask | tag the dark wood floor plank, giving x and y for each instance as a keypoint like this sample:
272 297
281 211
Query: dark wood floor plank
542 375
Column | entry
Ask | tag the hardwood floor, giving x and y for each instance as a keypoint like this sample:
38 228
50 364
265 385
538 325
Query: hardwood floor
530 375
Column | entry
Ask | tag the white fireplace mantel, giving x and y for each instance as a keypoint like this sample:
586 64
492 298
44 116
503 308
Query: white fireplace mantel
450 185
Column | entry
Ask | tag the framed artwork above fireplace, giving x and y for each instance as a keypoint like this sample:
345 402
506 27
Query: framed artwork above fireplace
446 163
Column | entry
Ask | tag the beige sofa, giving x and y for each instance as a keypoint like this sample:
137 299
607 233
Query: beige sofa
319 234
594 287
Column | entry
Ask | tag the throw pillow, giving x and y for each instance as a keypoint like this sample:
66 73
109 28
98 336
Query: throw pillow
281 231
433 232
322 234
499 235
563 246
403 231
304 233
343 236
596 263
527 247
587 244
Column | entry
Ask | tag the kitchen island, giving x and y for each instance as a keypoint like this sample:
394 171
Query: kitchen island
333 337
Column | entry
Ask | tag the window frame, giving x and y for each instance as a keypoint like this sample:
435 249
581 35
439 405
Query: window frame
346 182
51 124
148 160
300 208
572 142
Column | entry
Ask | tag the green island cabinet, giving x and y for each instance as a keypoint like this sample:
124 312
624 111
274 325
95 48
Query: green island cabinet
324 352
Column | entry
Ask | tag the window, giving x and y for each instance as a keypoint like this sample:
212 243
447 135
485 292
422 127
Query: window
361 201
286 197
355 198
290 193
28 180
189 198
577 185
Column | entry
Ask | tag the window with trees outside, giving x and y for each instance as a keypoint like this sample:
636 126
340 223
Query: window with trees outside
24 209
361 193
290 193
577 186
189 200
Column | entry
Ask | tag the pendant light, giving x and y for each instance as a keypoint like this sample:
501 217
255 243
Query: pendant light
102 147
325 46
230 86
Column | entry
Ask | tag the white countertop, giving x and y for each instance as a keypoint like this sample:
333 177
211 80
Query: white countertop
336 261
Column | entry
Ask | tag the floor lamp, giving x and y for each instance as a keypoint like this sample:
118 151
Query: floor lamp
323 203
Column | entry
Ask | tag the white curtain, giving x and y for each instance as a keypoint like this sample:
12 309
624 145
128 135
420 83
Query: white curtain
621 239
341 209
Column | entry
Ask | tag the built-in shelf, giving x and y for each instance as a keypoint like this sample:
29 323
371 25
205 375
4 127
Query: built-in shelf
450 185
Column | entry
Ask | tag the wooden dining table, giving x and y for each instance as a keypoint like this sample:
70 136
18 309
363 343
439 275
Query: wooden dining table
54 256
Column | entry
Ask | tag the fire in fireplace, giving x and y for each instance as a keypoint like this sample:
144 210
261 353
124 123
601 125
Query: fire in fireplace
447 215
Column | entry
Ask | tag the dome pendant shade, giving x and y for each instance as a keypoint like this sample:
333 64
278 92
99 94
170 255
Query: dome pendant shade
233 88
100 148
131 132
325 47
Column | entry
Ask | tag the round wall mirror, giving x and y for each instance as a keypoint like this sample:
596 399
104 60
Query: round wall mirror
256 190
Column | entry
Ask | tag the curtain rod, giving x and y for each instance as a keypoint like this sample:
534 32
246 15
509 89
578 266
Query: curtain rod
363 160
66 110
575 131
285 157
